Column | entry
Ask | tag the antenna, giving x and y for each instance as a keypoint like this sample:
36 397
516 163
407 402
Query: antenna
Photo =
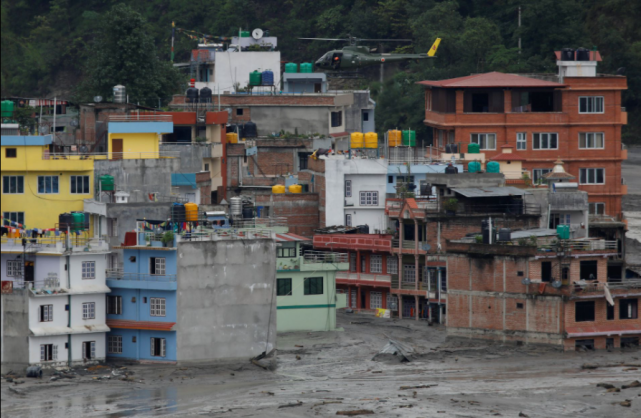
526 281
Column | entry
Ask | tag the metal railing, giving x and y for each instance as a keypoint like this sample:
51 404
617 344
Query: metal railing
510 209
600 286
261 223
384 278
56 241
316 257
581 245
227 234
145 117
414 155
119 274
78 155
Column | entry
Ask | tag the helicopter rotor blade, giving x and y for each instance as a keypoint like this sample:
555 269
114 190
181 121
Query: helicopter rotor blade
387 40
324 39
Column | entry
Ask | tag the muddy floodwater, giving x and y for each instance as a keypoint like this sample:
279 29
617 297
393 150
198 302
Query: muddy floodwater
322 374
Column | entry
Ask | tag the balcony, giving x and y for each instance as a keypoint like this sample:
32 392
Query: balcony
102 156
376 280
598 288
59 244
589 244
117 278
317 260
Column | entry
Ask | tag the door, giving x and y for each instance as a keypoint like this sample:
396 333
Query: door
88 350
116 149
28 271
318 88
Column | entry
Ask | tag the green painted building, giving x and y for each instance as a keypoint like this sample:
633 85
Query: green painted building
306 286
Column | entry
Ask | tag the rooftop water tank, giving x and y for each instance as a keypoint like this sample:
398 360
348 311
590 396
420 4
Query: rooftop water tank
505 234
78 221
563 231
357 140
451 148
493 167
236 206
191 212
255 78
250 130
291 67
371 140
278 189
107 183
306 67
65 221
583 54
232 138
7 109
248 212
409 138
268 78
473 149
178 212
205 95
192 95
450 169
245 34
296 188
474 167
567 54
394 138
120 94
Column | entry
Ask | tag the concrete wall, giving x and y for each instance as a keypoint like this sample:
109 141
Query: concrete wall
140 177
234 68
226 299
191 155
307 120
15 331
354 114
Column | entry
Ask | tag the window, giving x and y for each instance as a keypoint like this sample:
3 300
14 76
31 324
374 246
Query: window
89 310
375 300
239 112
206 169
114 305
348 188
88 350
88 270
584 345
337 119
348 219
609 312
79 184
11 153
13 184
48 184
157 266
588 140
592 176
538 173
157 307
352 262
392 265
14 268
545 141
17 217
46 313
521 141
584 311
392 302
596 208
365 116
390 179
589 270
409 273
284 287
48 352
158 347
286 250
313 286
363 264
303 160
519 306
591 104
557 219
546 271
369 198
376 264
628 309
114 344
485 141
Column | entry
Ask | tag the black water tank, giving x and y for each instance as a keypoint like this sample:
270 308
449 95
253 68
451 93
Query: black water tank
450 169
505 234
192 95
448 149
65 220
178 213
205 95
250 130
363 229
567 54
583 54
248 212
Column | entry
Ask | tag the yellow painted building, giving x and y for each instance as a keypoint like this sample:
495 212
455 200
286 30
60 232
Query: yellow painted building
138 139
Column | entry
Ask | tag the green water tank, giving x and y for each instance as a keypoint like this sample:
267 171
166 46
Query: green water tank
107 183
473 149
306 67
245 34
474 167
291 67
7 109
563 231
255 78
409 138
493 167
78 221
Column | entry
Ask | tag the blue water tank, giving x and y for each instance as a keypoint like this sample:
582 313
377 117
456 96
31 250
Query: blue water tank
268 78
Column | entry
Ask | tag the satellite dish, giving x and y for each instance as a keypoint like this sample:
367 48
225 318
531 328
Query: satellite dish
556 284
526 281
257 34
97 99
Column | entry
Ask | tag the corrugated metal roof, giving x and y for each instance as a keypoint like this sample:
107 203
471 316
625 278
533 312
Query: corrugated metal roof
489 191
493 79
290 238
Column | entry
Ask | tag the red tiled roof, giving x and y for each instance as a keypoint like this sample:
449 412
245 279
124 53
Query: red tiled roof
633 327
290 237
507 157
147 325
493 79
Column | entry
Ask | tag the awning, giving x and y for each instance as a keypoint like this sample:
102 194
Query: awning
146 325
490 191
290 238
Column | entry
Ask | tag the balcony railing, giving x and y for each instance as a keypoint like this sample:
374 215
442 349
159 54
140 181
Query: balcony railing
260 223
47 286
414 156
118 274
383 278
140 118
317 257
227 234
510 209
78 155
600 286
581 245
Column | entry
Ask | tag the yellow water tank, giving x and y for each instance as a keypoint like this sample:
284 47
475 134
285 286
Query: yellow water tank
296 188
278 189
232 138
394 138
371 140
191 212
358 140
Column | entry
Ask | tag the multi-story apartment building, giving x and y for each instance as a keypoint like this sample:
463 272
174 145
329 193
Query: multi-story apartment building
575 116
53 301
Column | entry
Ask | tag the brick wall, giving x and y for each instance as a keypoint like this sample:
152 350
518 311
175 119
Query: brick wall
239 101
274 162
300 210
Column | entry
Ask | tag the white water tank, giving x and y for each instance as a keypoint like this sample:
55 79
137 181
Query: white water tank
120 94
236 206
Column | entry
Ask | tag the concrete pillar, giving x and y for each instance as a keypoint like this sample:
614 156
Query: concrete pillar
416 307
417 273
358 262
358 298
460 95
400 306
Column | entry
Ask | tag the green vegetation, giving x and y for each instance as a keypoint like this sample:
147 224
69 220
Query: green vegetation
49 45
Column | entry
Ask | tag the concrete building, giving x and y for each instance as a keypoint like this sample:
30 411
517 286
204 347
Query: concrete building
172 304
306 286
53 301
136 137
575 116
304 82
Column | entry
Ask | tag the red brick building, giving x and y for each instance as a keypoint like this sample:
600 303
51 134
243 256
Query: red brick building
544 118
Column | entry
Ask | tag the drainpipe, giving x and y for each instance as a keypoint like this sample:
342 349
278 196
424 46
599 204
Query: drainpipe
438 295
69 311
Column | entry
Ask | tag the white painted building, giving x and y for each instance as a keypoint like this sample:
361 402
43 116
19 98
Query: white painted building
355 192
61 287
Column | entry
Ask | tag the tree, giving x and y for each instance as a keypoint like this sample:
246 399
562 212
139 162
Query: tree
25 116
123 52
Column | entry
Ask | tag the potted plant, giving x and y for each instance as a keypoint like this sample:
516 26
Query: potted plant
168 238
479 239
148 240
451 206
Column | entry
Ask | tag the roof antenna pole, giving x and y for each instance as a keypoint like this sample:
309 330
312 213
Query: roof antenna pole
519 29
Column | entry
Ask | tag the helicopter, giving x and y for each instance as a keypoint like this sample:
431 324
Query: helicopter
355 56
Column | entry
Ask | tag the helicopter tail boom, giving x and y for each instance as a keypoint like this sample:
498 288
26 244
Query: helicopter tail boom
434 47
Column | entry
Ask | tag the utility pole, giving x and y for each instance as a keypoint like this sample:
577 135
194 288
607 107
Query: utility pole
173 38
519 30
382 75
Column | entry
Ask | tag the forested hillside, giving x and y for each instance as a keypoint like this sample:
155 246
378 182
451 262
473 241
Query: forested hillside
46 43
